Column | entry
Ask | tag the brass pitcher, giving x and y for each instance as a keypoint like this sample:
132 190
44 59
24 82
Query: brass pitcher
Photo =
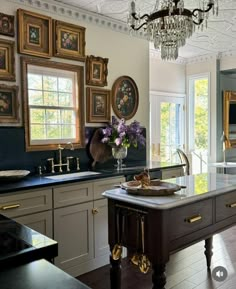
117 249
144 263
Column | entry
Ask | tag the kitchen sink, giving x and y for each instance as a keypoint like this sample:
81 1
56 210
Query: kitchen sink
72 175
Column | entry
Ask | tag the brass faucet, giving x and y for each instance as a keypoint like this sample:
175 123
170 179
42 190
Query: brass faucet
60 163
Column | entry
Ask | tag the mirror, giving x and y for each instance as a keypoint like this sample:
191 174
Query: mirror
230 118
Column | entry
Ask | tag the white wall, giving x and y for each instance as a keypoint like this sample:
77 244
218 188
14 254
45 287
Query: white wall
127 55
208 67
166 76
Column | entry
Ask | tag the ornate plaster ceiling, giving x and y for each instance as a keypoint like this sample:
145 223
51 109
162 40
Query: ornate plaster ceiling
220 36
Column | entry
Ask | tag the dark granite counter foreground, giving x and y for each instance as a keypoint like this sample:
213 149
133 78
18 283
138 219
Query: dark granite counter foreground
34 182
20 244
38 275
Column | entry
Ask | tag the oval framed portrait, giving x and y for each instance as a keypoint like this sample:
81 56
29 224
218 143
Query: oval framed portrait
125 97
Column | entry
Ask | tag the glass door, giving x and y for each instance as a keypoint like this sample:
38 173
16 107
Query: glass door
166 127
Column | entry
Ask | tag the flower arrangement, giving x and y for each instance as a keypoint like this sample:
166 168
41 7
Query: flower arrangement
119 134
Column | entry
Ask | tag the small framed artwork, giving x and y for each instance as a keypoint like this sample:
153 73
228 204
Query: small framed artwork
9 104
125 97
34 34
98 105
69 41
7 24
7 60
96 70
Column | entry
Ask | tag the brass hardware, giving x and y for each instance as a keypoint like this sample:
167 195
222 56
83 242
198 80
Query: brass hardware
193 219
8 207
231 205
144 263
135 258
131 209
95 211
117 249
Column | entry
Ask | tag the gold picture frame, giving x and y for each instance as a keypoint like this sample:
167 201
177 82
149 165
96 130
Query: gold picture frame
96 70
69 41
34 34
98 105
9 104
7 24
7 60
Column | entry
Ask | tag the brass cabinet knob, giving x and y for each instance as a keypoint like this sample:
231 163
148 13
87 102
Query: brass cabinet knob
95 211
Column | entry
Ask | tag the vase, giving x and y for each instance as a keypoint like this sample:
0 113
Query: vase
119 153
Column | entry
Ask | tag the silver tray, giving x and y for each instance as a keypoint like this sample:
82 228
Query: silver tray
156 188
13 174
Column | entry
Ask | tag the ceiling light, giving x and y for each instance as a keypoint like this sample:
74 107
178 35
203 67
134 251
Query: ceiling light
170 23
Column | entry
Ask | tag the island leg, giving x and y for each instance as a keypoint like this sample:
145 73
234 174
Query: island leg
115 273
208 252
158 276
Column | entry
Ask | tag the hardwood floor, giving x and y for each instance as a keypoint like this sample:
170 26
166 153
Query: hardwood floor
185 270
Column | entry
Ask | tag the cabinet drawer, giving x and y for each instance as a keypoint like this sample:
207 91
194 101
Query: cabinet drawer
225 206
187 219
106 184
72 194
172 173
20 204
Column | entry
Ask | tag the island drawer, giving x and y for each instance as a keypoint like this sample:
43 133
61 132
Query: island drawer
225 206
71 194
188 219
106 184
19 204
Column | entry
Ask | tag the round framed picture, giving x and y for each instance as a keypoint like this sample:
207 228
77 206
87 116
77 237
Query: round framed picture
125 97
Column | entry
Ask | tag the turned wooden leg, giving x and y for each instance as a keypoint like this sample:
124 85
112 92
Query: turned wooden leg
208 252
115 273
158 276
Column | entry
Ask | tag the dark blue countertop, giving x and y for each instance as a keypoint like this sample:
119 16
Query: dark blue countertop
20 244
38 275
33 182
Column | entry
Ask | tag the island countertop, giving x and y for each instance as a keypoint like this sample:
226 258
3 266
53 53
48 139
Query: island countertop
33 182
198 187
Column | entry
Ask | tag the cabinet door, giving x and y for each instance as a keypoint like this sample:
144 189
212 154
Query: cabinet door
73 230
172 173
40 222
101 228
105 184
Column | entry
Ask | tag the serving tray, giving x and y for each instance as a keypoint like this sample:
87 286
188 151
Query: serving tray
13 174
156 188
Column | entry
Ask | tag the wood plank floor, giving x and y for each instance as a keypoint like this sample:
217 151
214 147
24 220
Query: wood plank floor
185 270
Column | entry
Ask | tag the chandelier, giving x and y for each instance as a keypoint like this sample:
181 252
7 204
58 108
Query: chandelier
170 23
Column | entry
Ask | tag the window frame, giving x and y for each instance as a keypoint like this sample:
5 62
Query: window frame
79 70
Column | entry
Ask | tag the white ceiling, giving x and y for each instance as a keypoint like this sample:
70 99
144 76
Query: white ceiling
220 36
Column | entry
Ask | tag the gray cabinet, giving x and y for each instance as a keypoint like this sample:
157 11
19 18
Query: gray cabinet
172 173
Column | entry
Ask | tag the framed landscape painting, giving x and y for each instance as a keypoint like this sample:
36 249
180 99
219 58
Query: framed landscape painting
98 105
96 70
125 97
69 41
34 34
9 104
7 60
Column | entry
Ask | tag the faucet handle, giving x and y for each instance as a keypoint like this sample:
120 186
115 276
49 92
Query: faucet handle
77 164
68 163
51 160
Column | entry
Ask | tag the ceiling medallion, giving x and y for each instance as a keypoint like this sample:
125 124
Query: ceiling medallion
170 23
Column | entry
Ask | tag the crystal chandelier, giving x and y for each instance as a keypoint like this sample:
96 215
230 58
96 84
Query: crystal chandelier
170 23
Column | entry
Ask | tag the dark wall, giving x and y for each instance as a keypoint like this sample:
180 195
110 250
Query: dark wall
14 156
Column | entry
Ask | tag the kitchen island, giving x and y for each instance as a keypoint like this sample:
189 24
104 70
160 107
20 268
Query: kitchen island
154 227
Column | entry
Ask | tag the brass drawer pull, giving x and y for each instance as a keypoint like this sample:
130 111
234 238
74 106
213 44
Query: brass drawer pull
94 211
8 207
193 219
231 205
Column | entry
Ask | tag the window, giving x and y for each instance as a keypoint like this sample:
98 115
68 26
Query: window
52 103
199 129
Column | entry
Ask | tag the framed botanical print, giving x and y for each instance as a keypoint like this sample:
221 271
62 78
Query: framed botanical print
69 41
34 34
125 97
98 105
7 24
7 60
9 104
96 70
